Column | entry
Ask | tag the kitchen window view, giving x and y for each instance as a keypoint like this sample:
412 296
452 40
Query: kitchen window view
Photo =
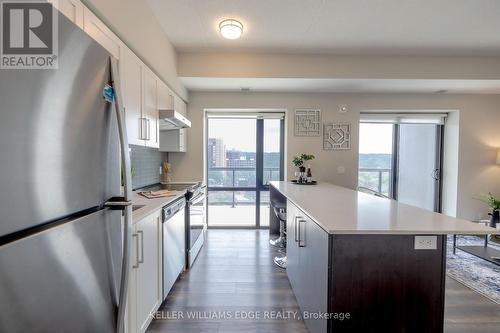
400 158
243 156
375 157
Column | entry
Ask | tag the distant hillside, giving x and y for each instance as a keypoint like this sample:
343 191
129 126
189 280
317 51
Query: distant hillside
375 161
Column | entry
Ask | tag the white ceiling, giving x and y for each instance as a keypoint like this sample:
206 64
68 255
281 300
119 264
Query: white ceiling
451 27
342 85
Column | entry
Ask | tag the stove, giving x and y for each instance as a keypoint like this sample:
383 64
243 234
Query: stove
173 187
195 221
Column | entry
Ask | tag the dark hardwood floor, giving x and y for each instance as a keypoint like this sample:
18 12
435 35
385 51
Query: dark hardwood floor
234 276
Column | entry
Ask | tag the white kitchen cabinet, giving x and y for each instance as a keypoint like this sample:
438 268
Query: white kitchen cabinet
180 106
145 285
72 9
173 141
93 26
150 108
131 78
140 98
165 96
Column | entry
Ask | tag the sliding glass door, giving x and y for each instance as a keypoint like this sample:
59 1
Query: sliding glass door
419 165
402 160
244 153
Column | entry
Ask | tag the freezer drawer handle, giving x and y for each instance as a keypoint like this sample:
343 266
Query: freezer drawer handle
140 232
136 236
117 203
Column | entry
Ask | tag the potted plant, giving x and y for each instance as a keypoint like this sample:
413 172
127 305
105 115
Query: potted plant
299 161
494 205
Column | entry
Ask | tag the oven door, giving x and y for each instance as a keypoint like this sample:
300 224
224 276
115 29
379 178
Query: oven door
197 226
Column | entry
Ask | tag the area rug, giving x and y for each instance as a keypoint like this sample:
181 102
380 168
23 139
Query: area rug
477 274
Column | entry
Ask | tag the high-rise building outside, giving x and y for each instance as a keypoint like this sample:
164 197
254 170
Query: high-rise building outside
216 153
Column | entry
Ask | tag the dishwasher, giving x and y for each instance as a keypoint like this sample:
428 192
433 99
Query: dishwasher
174 238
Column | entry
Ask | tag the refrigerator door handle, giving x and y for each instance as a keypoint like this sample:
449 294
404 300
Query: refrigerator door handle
127 195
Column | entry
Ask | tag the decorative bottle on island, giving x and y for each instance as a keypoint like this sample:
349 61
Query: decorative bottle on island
309 174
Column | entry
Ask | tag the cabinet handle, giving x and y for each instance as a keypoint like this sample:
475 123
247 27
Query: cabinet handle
295 224
144 129
302 242
136 236
140 232
149 129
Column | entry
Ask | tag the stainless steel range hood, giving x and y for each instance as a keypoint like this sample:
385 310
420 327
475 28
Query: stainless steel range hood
171 120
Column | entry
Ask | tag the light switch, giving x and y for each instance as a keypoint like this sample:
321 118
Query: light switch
425 242
340 169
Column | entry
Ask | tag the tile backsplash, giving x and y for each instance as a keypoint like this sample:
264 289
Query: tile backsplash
146 163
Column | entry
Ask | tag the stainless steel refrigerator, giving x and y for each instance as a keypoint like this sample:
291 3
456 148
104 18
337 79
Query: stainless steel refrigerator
62 147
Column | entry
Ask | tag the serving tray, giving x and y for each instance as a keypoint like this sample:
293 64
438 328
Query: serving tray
308 183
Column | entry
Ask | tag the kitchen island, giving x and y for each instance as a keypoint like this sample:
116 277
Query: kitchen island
360 263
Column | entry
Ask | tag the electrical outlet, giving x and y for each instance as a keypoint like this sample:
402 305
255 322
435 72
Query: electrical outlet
425 242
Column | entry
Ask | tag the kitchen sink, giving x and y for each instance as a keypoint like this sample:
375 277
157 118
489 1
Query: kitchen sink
136 207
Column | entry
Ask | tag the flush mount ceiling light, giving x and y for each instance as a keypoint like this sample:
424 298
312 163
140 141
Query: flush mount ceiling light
231 29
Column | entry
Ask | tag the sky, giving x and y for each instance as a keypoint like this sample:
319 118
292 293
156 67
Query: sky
375 138
240 134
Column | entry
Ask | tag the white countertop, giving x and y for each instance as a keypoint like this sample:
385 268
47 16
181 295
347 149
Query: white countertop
150 205
339 210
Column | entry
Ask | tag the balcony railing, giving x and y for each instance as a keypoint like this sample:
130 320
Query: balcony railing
239 176
224 179
376 179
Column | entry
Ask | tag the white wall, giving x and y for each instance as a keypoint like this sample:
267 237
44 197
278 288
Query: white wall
135 24
479 136
265 65
450 163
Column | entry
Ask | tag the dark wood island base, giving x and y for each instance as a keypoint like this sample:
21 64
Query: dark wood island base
385 284
364 283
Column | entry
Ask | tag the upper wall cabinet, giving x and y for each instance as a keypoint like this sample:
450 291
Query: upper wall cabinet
180 106
165 96
143 92
101 33
131 77
72 9
150 108
140 99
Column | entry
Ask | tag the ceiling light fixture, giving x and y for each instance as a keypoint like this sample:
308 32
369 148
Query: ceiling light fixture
231 29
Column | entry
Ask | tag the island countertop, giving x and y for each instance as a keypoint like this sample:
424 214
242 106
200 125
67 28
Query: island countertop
339 210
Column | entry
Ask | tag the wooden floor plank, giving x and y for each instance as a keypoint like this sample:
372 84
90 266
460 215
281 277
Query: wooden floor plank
235 273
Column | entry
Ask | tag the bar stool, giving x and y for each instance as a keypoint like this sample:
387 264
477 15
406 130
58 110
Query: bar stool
280 212
280 242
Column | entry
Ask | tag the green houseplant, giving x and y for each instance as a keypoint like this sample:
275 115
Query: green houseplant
494 205
299 161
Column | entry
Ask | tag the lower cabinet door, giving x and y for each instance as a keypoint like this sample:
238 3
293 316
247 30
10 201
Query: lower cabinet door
148 273
313 260
307 267
292 249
